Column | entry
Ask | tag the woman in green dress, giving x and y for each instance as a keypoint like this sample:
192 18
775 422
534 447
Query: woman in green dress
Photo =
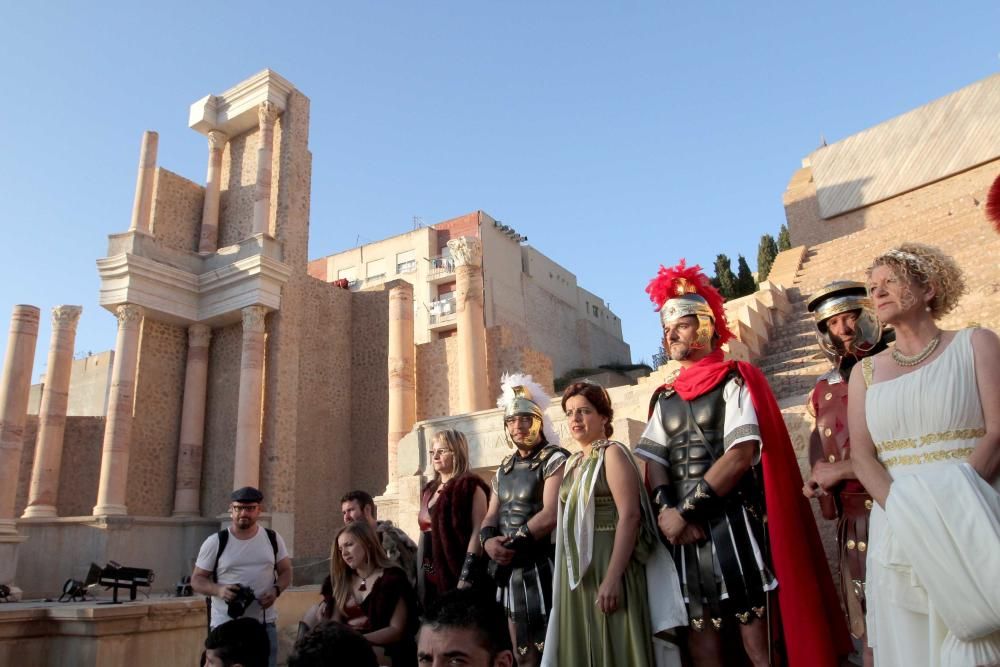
608 556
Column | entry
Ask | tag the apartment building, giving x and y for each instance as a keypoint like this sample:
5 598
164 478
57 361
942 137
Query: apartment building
524 290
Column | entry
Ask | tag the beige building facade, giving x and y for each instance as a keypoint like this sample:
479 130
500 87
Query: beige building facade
572 326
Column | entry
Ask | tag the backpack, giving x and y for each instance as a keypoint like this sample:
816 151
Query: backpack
223 536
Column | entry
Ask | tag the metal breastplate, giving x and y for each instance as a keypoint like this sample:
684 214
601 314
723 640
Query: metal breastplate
520 487
695 436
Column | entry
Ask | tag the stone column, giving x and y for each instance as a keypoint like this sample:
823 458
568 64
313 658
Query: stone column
209 238
467 252
14 387
267 113
118 424
250 412
187 496
402 392
44 490
15 384
143 204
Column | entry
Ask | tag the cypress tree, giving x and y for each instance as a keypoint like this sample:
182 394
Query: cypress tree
784 240
724 277
745 283
767 250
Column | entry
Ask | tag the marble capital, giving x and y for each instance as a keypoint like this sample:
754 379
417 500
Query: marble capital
217 140
66 317
254 318
199 335
128 313
267 113
466 251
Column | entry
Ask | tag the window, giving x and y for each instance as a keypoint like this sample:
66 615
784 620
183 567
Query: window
594 309
406 262
375 268
350 274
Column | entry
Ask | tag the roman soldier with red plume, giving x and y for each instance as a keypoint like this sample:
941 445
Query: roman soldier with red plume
726 484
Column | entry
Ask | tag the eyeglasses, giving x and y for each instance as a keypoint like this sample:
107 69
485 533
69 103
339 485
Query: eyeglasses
519 420
438 453
244 509
583 412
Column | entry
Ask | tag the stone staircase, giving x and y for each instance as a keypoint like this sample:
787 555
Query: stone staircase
792 361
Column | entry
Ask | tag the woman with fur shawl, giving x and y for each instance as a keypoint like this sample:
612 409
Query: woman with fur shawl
452 506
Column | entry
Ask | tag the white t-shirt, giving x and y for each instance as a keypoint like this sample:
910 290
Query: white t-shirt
249 562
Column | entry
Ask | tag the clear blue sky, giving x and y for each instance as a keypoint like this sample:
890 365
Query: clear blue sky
616 136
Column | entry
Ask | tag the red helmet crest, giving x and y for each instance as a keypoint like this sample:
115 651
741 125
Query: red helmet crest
677 281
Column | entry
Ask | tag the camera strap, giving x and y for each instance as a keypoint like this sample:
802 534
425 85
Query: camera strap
223 536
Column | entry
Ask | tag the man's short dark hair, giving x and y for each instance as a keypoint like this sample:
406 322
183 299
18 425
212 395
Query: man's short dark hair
470 610
361 498
243 641
332 644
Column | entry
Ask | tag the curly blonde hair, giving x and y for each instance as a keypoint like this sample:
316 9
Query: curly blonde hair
926 266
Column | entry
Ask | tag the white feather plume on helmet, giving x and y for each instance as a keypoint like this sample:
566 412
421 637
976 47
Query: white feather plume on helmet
517 388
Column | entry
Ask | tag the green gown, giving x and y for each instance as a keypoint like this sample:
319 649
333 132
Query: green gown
586 635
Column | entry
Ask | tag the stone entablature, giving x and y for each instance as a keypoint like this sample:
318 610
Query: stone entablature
235 111
183 287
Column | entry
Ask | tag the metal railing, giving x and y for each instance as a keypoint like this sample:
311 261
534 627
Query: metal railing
440 266
442 310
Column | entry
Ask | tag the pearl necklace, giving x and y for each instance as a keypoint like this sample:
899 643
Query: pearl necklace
904 360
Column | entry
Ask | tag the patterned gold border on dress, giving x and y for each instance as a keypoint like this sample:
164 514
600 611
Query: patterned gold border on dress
929 439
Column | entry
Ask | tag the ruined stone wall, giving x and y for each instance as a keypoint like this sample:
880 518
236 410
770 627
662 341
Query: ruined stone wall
220 418
505 355
177 205
323 436
369 390
437 386
291 173
159 391
237 181
81 465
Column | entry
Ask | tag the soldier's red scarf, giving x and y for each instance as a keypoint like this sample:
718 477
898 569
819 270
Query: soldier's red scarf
813 625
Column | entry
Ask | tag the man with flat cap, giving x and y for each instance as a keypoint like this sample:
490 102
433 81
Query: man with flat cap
244 556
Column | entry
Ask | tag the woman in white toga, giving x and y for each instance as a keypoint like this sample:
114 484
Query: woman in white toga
924 418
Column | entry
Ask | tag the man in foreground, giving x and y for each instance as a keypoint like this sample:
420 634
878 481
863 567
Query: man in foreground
461 628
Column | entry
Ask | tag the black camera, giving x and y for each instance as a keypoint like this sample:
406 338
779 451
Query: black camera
238 605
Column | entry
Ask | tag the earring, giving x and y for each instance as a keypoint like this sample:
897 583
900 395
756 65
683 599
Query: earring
927 308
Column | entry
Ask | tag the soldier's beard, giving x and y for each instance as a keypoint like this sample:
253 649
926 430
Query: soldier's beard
528 443
680 351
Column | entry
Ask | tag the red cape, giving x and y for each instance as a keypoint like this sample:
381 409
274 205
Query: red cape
815 633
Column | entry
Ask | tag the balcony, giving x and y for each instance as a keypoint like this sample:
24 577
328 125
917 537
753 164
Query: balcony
442 313
440 269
